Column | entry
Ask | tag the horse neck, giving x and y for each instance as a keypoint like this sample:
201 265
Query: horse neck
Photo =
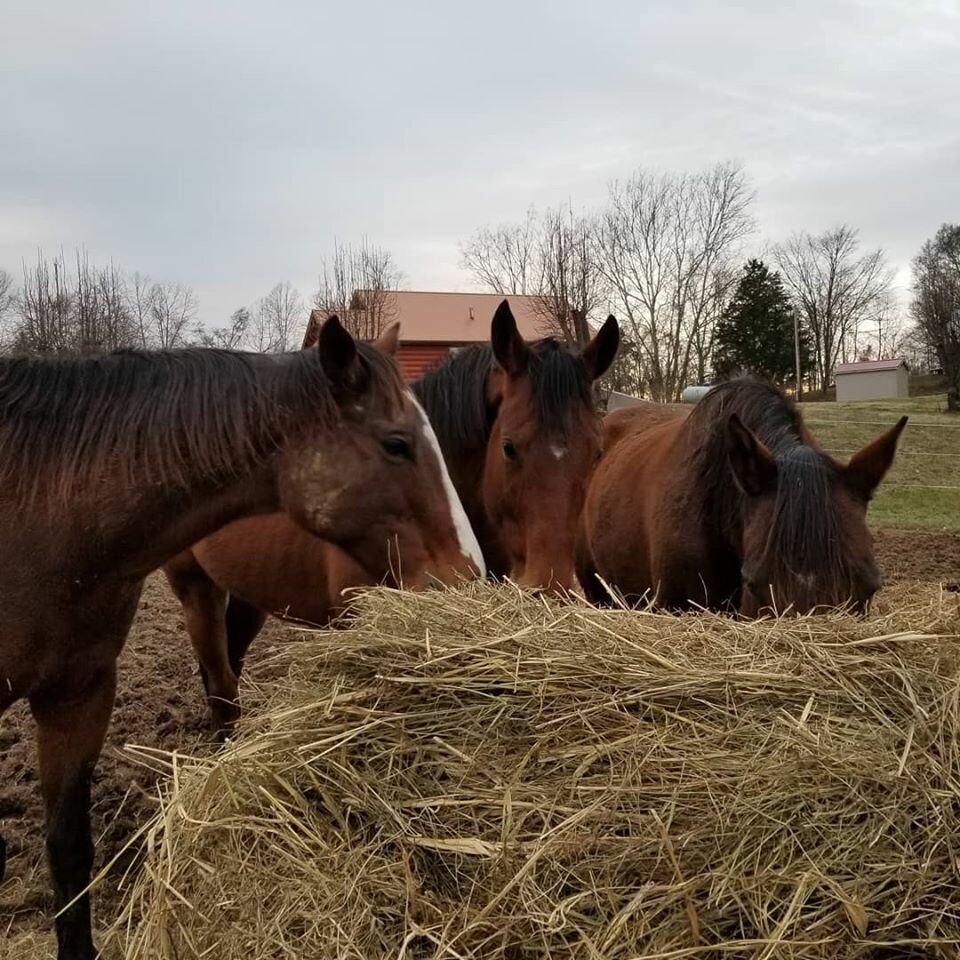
142 535
133 512
176 520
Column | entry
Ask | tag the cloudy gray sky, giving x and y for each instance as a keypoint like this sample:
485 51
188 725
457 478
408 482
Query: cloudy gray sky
225 145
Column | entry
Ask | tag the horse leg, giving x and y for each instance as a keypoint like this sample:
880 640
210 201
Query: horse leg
595 592
204 604
244 622
3 843
71 723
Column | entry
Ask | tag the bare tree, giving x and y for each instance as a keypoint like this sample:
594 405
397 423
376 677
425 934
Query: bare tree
507 258
276 319
101 319
231 337
171 310
89 309
8 302
571 285
117 327
8 294
936 303
912 345
880 335
358 286
138 306
551 257
666 246
45 309
835 289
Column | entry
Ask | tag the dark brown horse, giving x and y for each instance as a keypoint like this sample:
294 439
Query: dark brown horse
110 466
732 506
517 427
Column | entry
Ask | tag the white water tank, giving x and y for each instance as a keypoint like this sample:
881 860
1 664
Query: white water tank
695 393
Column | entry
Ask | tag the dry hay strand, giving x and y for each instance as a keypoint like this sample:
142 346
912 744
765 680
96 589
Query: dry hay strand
479 774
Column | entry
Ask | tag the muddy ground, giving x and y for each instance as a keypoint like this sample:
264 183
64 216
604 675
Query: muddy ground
160 704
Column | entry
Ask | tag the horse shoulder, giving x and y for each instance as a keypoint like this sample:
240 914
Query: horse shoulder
270 563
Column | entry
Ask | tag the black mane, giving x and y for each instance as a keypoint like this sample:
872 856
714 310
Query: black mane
804 533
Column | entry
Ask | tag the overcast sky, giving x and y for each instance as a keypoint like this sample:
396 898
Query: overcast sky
225 145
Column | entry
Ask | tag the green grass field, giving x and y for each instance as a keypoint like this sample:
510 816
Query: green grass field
923 487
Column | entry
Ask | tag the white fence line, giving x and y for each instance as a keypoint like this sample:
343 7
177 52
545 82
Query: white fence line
913 424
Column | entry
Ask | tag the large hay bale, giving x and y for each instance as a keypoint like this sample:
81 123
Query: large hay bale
476 774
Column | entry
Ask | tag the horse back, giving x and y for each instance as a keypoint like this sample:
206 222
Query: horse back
629 421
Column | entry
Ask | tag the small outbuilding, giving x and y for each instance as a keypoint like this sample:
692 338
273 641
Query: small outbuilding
872 379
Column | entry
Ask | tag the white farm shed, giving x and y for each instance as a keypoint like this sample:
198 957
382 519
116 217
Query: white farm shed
872 379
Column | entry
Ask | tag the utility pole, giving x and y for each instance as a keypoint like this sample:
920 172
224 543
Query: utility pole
796 346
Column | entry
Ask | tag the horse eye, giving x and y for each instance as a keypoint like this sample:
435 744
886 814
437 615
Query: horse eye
510 451
397 446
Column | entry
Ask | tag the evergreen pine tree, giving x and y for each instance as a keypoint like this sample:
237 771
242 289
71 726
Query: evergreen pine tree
755 334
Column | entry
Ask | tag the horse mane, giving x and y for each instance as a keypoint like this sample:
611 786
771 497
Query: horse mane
454 396
168 417
454 393
804 534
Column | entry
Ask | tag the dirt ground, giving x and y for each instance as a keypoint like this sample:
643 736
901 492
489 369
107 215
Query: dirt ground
160 704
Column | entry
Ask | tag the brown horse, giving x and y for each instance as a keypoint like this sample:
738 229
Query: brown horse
519 433
730 506
110 466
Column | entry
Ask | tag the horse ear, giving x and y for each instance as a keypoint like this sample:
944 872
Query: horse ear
389 340
599 353
867 467
508 346
338 353
753 465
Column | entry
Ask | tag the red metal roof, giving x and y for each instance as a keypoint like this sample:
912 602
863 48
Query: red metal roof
869 366
455 318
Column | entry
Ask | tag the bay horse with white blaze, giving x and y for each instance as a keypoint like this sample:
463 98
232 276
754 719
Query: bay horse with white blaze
110 466
519 433
730 506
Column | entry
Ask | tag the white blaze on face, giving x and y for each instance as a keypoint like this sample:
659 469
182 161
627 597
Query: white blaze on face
558 451
469 545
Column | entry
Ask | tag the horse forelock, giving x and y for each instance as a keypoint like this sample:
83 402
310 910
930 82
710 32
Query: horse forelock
804 538
140 418
560 384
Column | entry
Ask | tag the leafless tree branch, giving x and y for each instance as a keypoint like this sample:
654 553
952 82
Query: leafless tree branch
834 288
276 320
358 285
666 246
936 304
